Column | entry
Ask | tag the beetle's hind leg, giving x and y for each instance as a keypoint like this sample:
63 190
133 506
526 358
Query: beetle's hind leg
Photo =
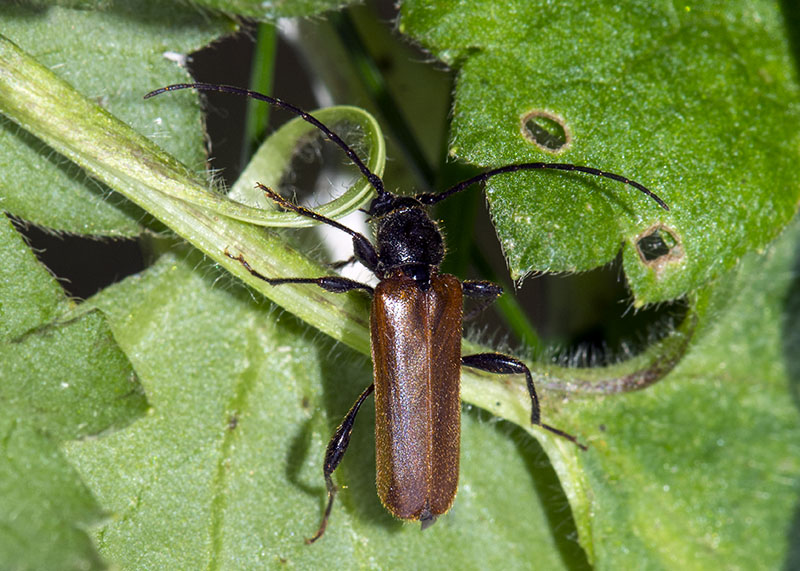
333 456
506 365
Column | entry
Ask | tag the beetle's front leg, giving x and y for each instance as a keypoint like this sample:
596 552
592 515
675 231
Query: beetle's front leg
333 284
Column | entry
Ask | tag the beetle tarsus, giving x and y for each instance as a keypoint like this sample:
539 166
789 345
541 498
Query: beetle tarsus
332 489
566 435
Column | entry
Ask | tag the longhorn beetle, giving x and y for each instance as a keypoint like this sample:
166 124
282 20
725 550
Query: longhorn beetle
415 331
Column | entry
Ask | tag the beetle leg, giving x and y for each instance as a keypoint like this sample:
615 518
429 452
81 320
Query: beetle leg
333 456
364 250
342 263
485 292
506 365
334 284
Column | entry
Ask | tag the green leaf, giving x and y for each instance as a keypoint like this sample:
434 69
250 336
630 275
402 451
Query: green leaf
227 471
701 470
698 468
46 507
698 103
61 378
115 56
29 296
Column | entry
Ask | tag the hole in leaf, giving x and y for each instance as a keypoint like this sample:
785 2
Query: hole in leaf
657 246
654 246
546 130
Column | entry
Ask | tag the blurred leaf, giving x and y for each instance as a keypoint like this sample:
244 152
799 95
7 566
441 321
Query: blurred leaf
697 103
114 56
271 11
155 180
61 378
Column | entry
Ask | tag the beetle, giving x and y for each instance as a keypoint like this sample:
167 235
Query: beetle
415 333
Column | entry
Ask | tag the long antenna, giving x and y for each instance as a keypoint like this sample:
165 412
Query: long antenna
371 177
431 198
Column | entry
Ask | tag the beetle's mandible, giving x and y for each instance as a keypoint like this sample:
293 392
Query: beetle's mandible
415 331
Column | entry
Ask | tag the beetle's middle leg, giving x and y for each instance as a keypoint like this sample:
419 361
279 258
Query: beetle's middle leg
507 365
333 456
485 292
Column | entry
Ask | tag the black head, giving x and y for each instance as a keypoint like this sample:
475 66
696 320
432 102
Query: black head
407 237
